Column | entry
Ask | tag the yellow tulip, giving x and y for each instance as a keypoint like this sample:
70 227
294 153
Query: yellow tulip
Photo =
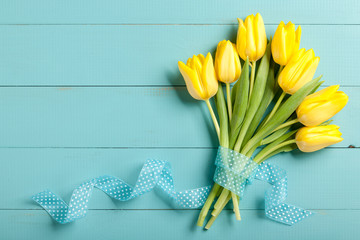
251 38
199 76
227 62
311 139
285 43
321 106
299 71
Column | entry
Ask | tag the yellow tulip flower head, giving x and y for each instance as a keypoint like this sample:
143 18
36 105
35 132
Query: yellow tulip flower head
227 62
299 71
251 38
199 76
321 106
285 43
310 139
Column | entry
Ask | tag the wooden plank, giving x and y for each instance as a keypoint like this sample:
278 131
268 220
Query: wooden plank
121 117
145 55
180 12
316 181
329 224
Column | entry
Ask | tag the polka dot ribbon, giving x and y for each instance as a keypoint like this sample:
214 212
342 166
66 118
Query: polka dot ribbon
234 171
154 173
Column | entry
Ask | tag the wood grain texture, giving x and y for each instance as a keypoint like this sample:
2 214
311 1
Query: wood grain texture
316 180
146 54
164 224
91 87
176 12
122 117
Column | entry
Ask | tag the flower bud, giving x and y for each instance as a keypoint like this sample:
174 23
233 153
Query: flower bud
227 62
251 38
321 106
311 139
299 71
199 76
285 43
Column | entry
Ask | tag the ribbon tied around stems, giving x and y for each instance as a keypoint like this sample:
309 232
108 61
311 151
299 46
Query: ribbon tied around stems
235 170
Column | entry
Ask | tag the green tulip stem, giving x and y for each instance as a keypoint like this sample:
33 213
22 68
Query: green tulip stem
252 77
213 218
278 102
213 117
283 113
258 159
286 124
225 192
223 199
252 150
236 206
228 98
204 211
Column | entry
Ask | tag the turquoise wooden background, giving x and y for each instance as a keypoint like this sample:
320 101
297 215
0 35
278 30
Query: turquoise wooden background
92 87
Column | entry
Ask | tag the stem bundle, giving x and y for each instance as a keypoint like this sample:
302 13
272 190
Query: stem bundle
241 128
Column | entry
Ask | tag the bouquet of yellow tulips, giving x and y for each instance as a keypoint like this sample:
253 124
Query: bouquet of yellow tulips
246 122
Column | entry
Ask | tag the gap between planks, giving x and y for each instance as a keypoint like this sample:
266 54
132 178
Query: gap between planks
117 209
166 24
124 148
122 86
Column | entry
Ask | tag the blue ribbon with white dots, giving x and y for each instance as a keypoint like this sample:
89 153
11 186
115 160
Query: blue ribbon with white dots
235 170
154 173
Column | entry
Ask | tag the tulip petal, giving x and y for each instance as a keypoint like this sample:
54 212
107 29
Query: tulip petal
259 36
208 77
282 54
226 65
285 43
241 39
250 49
224 62
321 106
192 81
289 39
196 65
325 93
277 43
201 58
310 139
299 71
306 73
297 38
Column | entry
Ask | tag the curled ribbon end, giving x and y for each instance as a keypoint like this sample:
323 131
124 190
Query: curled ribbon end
233 172
154 173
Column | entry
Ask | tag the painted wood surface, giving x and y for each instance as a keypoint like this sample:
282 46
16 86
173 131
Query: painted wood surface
122 117
169 224
136 55
62 170
92 87
176 12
